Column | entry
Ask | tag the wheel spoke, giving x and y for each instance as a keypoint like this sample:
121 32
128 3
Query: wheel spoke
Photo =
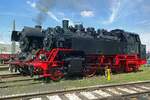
56 75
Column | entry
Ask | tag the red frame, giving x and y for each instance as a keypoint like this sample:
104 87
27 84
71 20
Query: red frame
49 63
117 62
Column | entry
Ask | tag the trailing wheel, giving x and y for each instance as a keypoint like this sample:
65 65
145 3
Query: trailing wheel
89 71
56 74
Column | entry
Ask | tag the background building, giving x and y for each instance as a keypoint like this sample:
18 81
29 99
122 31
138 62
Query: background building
6 48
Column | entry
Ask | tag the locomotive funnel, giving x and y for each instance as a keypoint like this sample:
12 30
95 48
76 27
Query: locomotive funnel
38 26
65 24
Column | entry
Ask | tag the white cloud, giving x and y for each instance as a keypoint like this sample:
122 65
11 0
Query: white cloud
87 13
32 4
53 16
49 13
115 6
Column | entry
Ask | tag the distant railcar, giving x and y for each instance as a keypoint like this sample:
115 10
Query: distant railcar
4 58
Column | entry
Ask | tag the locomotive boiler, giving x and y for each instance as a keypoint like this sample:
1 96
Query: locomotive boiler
93 41
71 50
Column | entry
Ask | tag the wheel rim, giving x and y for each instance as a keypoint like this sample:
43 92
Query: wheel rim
89 72
56 75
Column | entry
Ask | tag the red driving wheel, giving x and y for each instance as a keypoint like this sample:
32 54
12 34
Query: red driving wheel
56 75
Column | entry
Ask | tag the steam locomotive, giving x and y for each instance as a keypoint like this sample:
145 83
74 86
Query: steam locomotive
71 50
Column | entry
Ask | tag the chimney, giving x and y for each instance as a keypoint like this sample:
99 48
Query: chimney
38 26
65 24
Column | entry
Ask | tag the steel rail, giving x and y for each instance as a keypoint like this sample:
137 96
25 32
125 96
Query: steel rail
17 96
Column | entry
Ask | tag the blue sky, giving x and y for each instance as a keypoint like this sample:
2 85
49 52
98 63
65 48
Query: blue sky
133 16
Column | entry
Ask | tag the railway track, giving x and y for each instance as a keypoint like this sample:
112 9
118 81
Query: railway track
115 92
9 75
3 64
16 80
3 68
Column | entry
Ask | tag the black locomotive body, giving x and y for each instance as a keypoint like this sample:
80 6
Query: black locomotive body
68 49
94 42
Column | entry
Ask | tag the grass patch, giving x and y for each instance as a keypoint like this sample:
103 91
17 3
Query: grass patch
142 75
